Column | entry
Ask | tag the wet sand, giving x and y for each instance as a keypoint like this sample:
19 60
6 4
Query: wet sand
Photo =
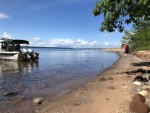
110 92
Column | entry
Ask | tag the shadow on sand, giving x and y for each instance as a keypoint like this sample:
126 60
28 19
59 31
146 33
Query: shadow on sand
142 64
133 72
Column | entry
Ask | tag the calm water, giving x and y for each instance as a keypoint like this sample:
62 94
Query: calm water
57 72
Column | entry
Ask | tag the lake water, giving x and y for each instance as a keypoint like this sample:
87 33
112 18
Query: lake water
57 71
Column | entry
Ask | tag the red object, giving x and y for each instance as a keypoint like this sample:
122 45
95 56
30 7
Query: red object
126 47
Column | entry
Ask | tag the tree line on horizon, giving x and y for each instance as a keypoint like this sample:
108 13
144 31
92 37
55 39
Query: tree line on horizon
117 13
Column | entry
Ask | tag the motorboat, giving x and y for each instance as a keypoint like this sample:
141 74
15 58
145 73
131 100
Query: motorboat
10 50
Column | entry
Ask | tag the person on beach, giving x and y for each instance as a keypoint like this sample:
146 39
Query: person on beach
126 50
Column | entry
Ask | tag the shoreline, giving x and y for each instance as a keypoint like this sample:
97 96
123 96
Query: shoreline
110 92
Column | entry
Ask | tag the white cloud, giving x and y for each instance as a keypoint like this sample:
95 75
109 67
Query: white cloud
36 41
60 43
79 43
106 43
3 16
6 35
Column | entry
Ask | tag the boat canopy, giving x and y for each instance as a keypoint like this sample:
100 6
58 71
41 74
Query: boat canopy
11 41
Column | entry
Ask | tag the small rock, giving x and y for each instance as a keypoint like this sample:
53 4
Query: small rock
102 79
147 89
137 83
138 78
138 107
139 97
110 78
119 72
128 77
140 71
110 87
107 98
144 93
38 100
75 104
8 93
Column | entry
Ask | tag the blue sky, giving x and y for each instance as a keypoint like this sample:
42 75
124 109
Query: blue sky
55 23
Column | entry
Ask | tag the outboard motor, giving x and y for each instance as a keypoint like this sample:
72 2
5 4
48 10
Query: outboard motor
24 50
29 55
25 55
34 55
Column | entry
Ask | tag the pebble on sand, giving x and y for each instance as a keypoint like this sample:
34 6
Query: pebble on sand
102 79
8 93
110 78
139 97
119 72
110 87
138 107
137 83
144 93
38 100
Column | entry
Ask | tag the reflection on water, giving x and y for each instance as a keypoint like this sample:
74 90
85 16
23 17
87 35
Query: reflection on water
14 75
8 67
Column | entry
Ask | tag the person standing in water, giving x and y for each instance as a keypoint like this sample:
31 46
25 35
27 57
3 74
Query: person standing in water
126 50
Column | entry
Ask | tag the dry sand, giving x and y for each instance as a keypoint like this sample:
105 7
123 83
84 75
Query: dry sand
100 96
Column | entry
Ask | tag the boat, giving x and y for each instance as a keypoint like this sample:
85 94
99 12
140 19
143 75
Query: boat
10 50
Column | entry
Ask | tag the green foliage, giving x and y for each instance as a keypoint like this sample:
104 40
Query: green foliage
119 12
127 38
140 38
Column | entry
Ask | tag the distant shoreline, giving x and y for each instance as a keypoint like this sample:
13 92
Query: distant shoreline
111 49
48 47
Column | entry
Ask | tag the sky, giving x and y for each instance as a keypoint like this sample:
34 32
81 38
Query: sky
55 23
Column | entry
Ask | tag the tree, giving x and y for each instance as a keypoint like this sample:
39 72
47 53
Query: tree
127 38
139 38
120 12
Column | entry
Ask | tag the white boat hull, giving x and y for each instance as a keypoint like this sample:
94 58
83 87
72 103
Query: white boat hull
10 50
13 56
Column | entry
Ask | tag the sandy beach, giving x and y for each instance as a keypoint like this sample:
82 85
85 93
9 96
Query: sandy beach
110 92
